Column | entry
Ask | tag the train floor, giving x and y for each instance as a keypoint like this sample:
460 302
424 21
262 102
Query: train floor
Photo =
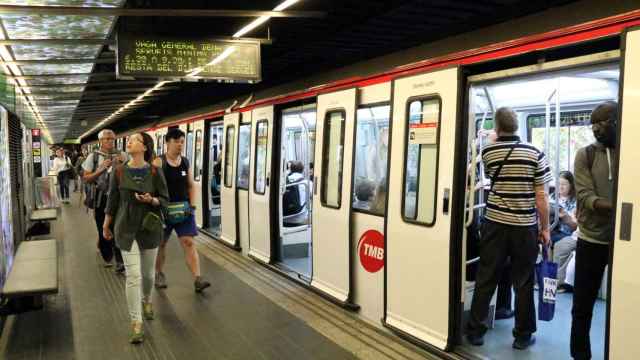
249 312
552 337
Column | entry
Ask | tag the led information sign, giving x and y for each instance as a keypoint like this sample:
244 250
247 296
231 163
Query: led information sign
142 56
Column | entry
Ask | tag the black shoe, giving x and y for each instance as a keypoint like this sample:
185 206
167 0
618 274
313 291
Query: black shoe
524 343
502 314
475 340
201 284
565 288
119 269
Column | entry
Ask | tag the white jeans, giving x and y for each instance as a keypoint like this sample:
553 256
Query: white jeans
140 267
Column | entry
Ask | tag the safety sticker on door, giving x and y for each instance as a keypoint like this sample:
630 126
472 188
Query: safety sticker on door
371 250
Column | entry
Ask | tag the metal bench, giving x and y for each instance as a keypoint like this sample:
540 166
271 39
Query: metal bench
34 274
44 215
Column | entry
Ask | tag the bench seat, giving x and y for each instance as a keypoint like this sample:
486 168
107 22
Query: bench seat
34 270
44 215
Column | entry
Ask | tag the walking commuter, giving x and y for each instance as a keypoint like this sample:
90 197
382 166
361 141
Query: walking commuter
180 214
519 174
62 167
593 167
96 171
137 193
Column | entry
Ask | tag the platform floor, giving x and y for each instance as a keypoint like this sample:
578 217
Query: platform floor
249 312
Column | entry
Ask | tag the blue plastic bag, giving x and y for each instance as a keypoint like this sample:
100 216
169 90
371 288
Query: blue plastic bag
547 277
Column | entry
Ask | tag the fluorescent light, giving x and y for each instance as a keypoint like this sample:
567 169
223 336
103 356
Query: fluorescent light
225 54
262 19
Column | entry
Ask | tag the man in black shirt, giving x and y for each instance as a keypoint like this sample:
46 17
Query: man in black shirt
181 194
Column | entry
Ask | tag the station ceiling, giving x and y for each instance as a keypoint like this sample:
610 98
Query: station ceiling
63 60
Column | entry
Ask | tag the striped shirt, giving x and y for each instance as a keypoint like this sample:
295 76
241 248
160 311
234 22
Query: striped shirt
513 199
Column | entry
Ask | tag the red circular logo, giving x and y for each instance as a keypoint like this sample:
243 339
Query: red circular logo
371 250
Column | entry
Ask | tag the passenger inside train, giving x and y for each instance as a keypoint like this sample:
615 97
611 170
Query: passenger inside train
538 100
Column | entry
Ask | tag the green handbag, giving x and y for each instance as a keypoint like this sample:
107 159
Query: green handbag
152 222
177 212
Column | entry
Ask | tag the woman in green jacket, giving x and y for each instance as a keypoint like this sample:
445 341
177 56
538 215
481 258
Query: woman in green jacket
137 193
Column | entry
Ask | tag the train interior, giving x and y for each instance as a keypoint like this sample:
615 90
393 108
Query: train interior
371 154
213 219
297 153
538 99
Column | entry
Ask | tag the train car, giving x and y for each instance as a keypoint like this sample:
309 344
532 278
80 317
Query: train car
368 190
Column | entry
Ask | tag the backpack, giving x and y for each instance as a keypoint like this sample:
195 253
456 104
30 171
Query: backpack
90 189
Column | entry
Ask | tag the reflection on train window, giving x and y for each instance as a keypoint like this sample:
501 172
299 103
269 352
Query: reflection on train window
189 147
244 154
229 149
333 148
371 156
421 161
198 158
261 157
158 144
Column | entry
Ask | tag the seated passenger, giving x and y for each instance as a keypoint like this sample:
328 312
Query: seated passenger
296 170
364 193
561 236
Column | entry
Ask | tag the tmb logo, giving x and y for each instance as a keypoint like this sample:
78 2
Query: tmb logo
371 250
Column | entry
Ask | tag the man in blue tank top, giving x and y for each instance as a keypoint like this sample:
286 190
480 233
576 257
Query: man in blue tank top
182 196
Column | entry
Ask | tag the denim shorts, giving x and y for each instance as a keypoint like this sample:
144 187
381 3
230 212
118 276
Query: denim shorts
185 228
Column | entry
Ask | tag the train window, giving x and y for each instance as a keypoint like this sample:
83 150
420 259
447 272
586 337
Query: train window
371 155
189 147
244 156
229 149
158 144
198 156
333 150
421 160
261 157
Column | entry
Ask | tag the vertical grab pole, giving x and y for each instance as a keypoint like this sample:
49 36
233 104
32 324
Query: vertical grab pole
556 217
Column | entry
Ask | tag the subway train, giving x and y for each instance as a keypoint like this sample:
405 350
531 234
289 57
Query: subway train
367 189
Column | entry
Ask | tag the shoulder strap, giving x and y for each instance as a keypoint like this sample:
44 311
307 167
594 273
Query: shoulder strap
95 160
591 154
495 174
119 173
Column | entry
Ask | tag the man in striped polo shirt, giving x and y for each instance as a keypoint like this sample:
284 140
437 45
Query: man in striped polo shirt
516 203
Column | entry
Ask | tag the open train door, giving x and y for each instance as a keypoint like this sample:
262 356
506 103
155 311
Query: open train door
228 188
418 240
625 283
259 184
331 210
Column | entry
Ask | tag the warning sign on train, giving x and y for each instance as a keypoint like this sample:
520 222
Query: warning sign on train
423 133
371 250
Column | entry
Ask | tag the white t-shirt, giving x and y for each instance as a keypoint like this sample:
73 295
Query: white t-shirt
61 164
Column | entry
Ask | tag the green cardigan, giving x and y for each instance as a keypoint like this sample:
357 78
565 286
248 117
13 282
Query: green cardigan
129 212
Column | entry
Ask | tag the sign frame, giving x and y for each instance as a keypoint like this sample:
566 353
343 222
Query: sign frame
130 37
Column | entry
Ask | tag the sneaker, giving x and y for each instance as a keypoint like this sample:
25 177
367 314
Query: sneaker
161 281
201 284
147 310
524 343
502 314
120 269
565 288
137 332
475 340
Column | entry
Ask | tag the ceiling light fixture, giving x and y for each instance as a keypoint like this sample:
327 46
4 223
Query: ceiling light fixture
262 19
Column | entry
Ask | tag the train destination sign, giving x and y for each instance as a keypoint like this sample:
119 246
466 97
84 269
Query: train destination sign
142 56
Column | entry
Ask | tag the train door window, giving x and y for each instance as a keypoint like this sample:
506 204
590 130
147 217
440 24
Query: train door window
261 157
371 156
158 144
189 147
229 149
198 156
333 148
421 160
244 155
